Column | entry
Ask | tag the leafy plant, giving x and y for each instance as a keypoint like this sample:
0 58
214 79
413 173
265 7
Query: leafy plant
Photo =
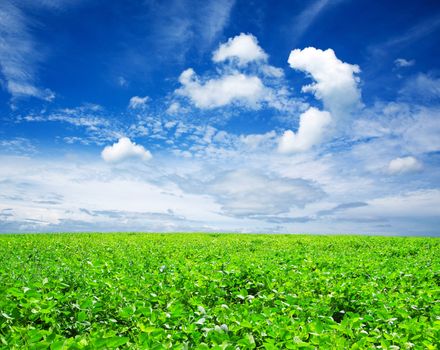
218 291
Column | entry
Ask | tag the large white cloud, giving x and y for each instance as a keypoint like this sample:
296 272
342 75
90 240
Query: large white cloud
336 83
227 89
241 49
404 165
124 149
312 126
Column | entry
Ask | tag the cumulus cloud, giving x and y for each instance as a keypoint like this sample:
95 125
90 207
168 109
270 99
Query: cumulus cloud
312 126
230 88
401 62
240 83
138 102
336 83
241 49
404 165
124 149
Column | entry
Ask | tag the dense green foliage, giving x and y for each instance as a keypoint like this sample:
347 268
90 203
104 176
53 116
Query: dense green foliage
179 291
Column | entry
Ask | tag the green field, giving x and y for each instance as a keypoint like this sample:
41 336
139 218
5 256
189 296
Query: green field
221 291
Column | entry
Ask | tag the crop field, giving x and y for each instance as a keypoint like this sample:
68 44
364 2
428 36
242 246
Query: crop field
218 291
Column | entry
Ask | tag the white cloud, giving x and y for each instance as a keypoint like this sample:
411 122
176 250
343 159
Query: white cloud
421 88
409 204
414 129
336 83
81 194
312 126
124 149
421 134
404 165
233 192
253 141
138 102
251 86
401 62
99 128
271 71
242 49
174 108
227 89
251 193
17 145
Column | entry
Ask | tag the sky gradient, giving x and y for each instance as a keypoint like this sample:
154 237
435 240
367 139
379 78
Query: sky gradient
220 115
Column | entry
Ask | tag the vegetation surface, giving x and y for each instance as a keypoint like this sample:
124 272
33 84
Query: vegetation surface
185 291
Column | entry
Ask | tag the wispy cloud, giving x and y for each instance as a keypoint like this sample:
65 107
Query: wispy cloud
184 25
97 127
214 17
407 37
19 56
303 21
402 63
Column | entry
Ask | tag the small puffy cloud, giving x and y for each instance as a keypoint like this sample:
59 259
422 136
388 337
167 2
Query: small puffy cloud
124 149
138 102
241 49
404 165
336 83
312 126
227 89
174 108
401 62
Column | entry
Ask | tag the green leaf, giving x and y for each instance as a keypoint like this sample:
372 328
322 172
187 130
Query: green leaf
82 316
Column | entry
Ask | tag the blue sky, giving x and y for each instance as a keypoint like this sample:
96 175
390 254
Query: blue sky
250 116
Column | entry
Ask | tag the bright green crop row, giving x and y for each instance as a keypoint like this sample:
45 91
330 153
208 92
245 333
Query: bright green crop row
185 291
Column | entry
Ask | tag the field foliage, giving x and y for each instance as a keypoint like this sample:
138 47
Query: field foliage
185 291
